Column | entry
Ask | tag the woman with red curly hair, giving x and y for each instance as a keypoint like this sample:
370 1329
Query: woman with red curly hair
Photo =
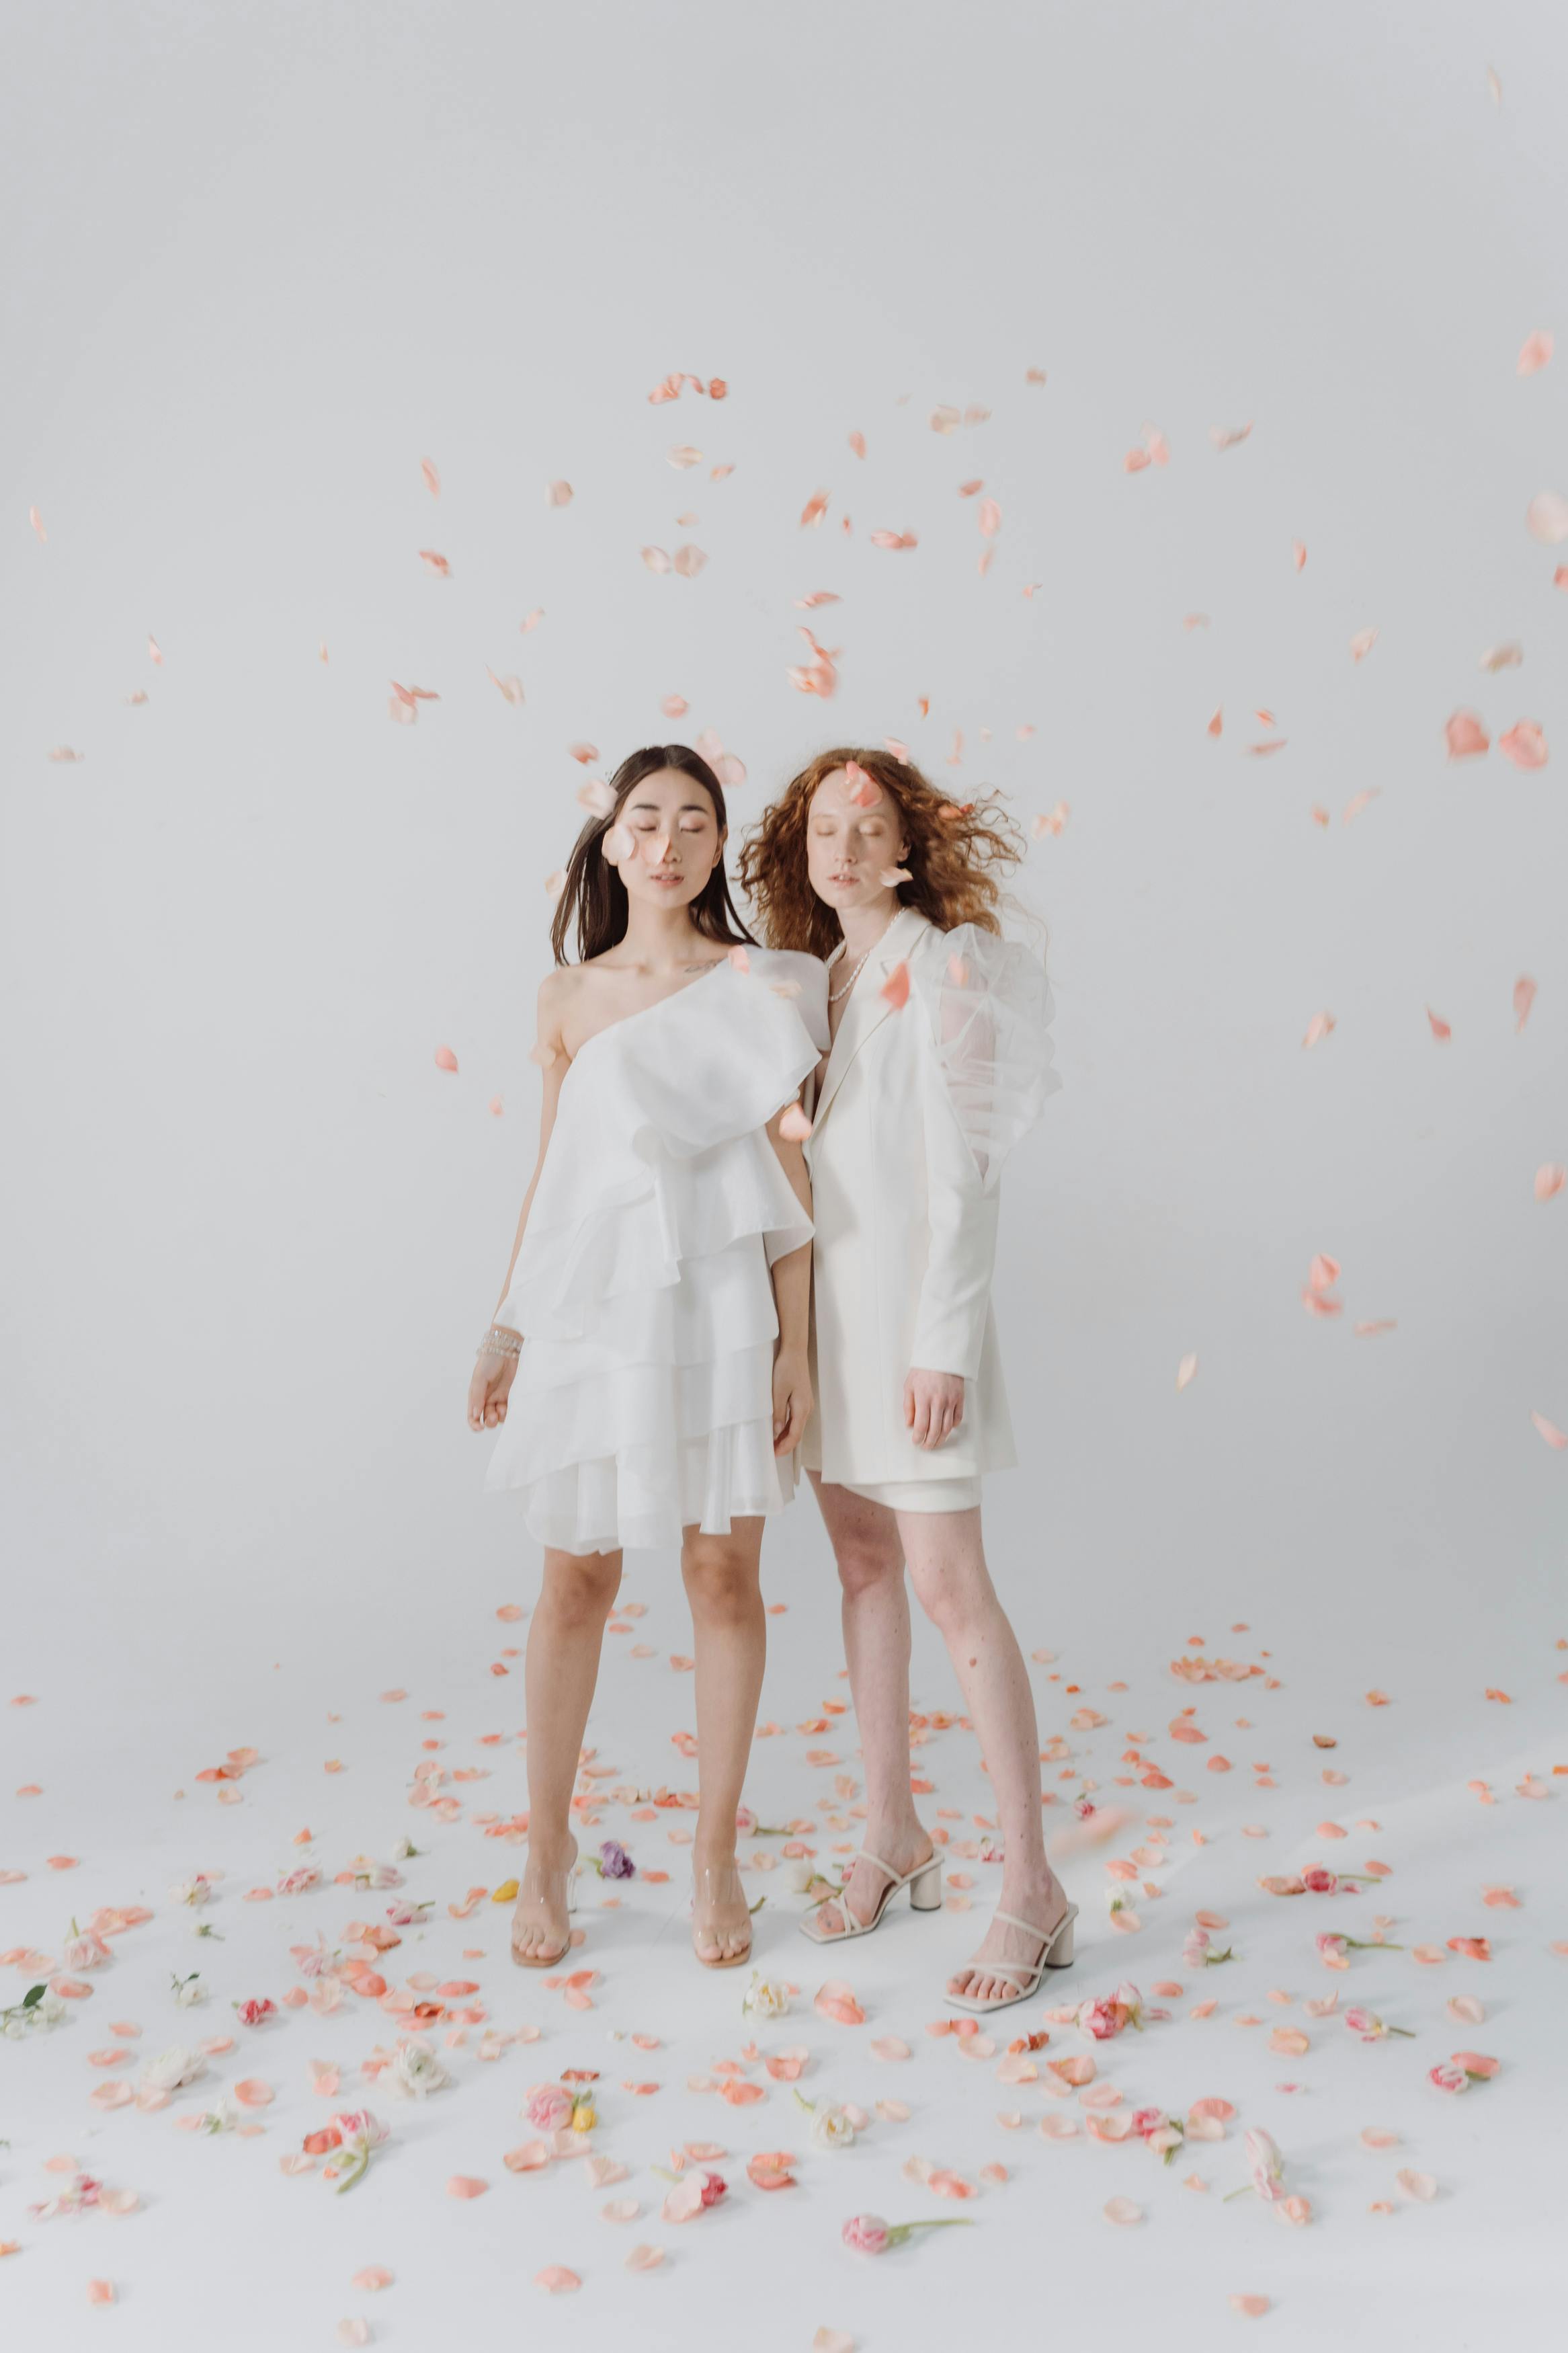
940 1060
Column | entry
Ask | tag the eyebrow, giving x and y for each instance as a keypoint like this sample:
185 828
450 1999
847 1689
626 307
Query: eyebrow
686 809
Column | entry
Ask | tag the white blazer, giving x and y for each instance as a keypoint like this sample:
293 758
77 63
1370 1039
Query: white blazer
917 1110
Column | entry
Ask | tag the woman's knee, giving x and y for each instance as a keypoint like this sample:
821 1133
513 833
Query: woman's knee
720 1578
867 1562
580 1588
955 1595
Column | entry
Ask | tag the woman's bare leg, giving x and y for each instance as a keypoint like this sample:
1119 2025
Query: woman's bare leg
876 1615
721 1575
946 1559
564 1640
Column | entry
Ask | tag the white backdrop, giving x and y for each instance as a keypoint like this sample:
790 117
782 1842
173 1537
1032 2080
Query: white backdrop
276 256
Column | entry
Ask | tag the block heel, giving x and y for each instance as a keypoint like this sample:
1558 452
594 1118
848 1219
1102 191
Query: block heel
925 1889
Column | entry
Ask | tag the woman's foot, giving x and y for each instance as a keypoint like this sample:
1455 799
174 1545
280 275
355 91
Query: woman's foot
903 1850
1044 1902
540 1928
720 1916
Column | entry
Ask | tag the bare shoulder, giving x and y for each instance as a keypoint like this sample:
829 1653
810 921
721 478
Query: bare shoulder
557 994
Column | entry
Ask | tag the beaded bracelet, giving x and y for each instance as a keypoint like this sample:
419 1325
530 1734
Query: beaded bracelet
501 1342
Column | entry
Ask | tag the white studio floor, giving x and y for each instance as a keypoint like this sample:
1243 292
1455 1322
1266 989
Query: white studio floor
1439 2227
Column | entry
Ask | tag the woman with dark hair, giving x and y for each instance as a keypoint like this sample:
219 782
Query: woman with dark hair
941 1060
647 1367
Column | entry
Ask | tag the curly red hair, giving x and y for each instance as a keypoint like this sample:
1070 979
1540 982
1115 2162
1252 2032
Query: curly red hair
955 852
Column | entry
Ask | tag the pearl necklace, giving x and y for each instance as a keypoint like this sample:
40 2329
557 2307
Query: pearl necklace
836 996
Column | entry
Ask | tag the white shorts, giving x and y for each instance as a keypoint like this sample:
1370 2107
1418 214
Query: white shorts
922 1495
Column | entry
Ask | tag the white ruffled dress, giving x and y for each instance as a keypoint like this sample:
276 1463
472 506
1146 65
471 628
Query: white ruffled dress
643 1398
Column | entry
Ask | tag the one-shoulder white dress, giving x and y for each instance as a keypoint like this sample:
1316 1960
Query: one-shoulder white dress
642 1402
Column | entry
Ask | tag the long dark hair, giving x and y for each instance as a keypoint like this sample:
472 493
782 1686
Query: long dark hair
593 893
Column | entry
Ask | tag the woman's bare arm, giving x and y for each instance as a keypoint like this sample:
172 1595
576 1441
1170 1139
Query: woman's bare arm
551 998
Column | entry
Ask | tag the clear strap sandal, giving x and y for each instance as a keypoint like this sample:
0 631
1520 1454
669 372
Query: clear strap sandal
551 1960
719 1884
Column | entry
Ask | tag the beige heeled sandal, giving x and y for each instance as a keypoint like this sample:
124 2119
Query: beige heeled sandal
924 1883
552 1960
713 1893
1057 1952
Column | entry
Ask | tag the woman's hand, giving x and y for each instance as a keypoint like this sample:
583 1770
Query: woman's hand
792 1400
489 1390
933 1406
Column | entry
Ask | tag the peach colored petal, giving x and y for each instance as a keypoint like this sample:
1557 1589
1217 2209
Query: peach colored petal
465 2185
373 2277
1546 518
530 2157
252 2092
1465 736
1254 2307
645 2259
835 1999
1290 2040
556 2280
112 2096
1535 351
1417 2185
1379 2137
890 2046
1524 744
101 2291
1122 2210
119 2201
1550 1431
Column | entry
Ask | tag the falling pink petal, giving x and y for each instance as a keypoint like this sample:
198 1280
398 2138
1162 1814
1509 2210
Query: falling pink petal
1186 1371
1225 436
683 455
1546 519
814 510
894 539
1365 1331
1524 744
252 2092
655 559
558 494
1297 552
531 620
1417 2185
437 563
445 1058
63 752
465 2185
1523 998
1380 2137
432 479
1550 1180
353 2332
1358 802
1317 1028
675 706
596 796
36 520
1253 2306
817 596
370 2281
1122 2210
990 518
645 2259
1549 1430
1363 643
1497 657
687 561
1323 1275
556 2280
895 989
1440 1028
511 687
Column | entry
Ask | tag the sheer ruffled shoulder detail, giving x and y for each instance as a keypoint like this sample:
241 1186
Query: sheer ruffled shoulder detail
802 979
989 1007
